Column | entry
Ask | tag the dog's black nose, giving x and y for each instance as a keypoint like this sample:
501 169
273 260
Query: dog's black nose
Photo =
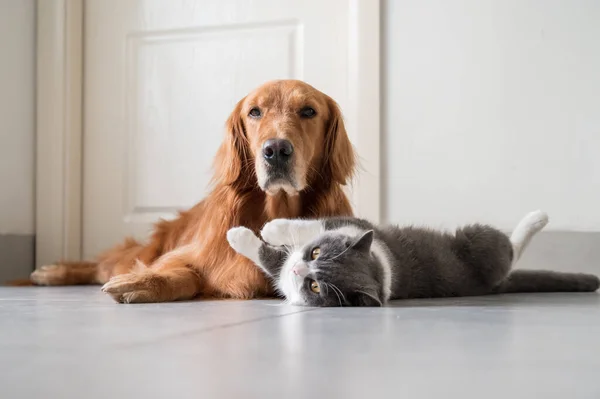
277 151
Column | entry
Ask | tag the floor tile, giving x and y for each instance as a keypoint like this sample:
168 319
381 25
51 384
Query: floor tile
77 343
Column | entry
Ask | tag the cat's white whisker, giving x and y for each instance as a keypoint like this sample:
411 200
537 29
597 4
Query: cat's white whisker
340 254
338 296
335 288
327 286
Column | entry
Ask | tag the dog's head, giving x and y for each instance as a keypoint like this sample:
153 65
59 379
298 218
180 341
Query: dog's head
285 135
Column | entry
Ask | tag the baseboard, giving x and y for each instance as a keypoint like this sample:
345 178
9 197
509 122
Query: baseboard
563 251
17 256
554 250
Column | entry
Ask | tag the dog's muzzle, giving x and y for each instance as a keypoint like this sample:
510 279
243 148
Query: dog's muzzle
278 155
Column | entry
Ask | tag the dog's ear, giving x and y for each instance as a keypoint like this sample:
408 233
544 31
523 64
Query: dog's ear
233 157
340 159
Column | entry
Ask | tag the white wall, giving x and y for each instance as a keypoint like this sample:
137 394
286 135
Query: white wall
17 116
492 109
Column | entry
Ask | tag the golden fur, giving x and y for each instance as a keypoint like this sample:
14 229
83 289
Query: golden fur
190 256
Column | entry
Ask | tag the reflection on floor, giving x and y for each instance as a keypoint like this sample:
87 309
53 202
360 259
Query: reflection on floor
76 343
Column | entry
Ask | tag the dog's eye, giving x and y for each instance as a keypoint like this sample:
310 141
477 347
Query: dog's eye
314 287
315 253
307 112
255 112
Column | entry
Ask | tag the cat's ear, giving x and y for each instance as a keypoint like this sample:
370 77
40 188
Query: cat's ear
363 244
364 298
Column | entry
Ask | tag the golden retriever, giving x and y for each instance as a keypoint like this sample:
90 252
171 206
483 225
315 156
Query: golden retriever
286 154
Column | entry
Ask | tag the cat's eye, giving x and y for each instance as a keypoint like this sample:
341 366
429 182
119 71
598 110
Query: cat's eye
314 287
315 253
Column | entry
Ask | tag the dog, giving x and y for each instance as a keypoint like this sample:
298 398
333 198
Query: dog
286 154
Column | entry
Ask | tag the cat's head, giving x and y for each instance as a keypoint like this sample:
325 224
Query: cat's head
333 270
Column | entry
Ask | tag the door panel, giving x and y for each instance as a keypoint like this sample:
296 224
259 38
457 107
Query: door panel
161 77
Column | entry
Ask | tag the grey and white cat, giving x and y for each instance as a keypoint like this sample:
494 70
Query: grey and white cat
351 262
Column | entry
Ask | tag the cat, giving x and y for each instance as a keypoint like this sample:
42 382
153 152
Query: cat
351 262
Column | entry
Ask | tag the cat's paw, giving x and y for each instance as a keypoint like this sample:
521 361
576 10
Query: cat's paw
291 232
244 242
278 232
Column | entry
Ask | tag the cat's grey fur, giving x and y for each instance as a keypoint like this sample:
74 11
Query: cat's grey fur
356 256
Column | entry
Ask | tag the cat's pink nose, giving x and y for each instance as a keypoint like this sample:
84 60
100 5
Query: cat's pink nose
300 270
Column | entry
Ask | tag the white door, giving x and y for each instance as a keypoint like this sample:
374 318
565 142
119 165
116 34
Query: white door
160 80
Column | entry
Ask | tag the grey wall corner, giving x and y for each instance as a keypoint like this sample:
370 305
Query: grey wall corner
17 256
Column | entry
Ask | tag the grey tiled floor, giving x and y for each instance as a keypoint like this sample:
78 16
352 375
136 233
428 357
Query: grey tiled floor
76 343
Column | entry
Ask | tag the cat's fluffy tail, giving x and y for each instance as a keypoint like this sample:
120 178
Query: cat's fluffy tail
540 280
529 226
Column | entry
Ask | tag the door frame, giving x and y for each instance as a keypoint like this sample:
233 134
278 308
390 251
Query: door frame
59 130
60 63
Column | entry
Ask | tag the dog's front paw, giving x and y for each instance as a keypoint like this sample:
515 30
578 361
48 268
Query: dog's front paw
279 232
142 287
244 242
